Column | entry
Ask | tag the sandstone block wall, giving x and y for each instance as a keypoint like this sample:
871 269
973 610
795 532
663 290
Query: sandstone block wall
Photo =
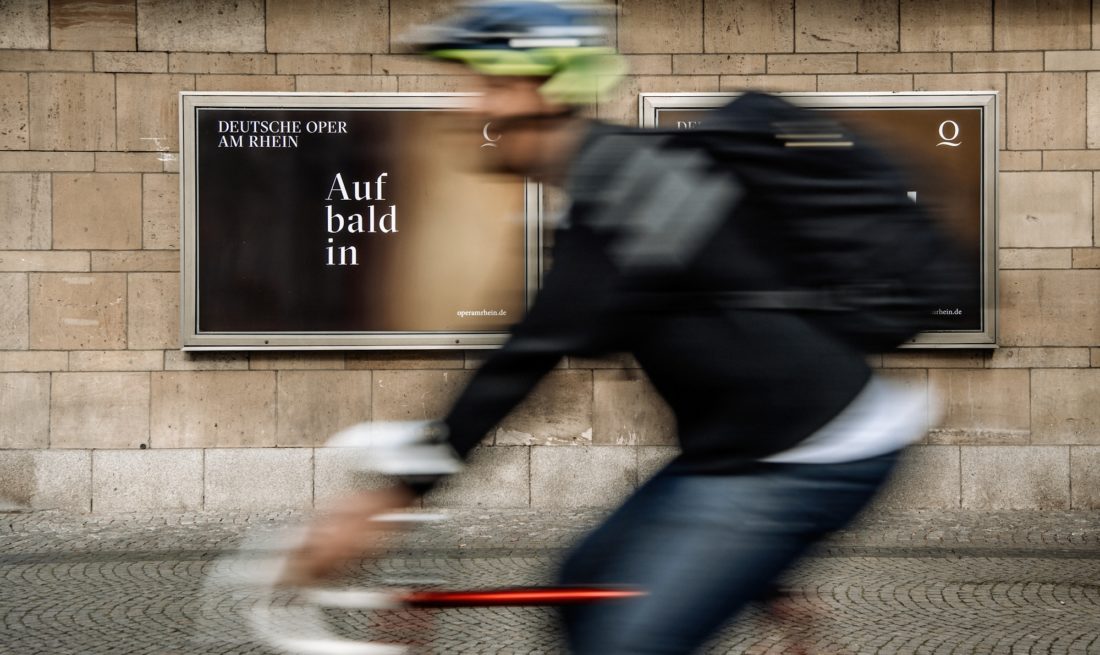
102 412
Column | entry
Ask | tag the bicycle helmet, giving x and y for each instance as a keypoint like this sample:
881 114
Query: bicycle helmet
537 38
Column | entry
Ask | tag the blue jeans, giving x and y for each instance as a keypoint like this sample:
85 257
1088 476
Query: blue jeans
705 546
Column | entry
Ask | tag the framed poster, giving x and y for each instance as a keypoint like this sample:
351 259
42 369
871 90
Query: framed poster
948 144
348 221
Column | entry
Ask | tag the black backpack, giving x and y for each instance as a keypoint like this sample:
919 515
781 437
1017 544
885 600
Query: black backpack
778 208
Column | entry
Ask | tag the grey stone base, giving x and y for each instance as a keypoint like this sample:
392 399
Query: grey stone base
248 479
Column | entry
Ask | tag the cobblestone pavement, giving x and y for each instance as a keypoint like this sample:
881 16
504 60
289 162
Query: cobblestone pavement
905 582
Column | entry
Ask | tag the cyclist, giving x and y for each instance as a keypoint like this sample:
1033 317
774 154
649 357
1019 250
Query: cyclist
785 432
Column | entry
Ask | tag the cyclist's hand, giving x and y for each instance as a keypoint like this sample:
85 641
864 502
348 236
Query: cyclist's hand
345 531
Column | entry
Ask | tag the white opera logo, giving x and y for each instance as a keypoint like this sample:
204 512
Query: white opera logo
952 139
490 142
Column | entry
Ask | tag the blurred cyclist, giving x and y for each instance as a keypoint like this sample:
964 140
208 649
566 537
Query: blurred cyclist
786 434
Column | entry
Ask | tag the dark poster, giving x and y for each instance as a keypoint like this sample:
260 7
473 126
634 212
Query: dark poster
333 220
941 149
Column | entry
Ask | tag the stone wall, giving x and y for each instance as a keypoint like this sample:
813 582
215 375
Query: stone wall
102 412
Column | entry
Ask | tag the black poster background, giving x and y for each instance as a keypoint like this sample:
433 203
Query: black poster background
262 238
947 179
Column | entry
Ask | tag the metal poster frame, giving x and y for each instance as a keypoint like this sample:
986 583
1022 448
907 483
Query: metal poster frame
650 106
190 102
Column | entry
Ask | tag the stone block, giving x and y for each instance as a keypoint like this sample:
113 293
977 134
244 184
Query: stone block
863 26
244 83
14 311
72 111
1045 210
946 25
212 409
314 405
1034 258
933 359
1093 102
405 359
1086 258
1046 111
1050 308
1047 25
175 360
14 101
129 162
130 62
627 410
927 477
100 25
258 478
769 83
137 480
44 162
1065 406
47 61
328 26
1039 358
497 476
648 64
651 459
922 62
47 479
415 395
146 261
620 105
865 83
993 62
1072 60
148 110
614 361
99 410
982 406
1019 160
592 476
160 211
436 83
306 361
25 211
22 361
77 312
660 26
718 64
294 64
812 64
154 316
411 64
25 406
116 360
1071 160
334 476
409 14
912 380
209 26
99 211
766 26
1015 477
558 411
221 63
1084 473
25 24
347 83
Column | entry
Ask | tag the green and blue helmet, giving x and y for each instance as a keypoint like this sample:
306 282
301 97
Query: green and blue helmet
564 43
